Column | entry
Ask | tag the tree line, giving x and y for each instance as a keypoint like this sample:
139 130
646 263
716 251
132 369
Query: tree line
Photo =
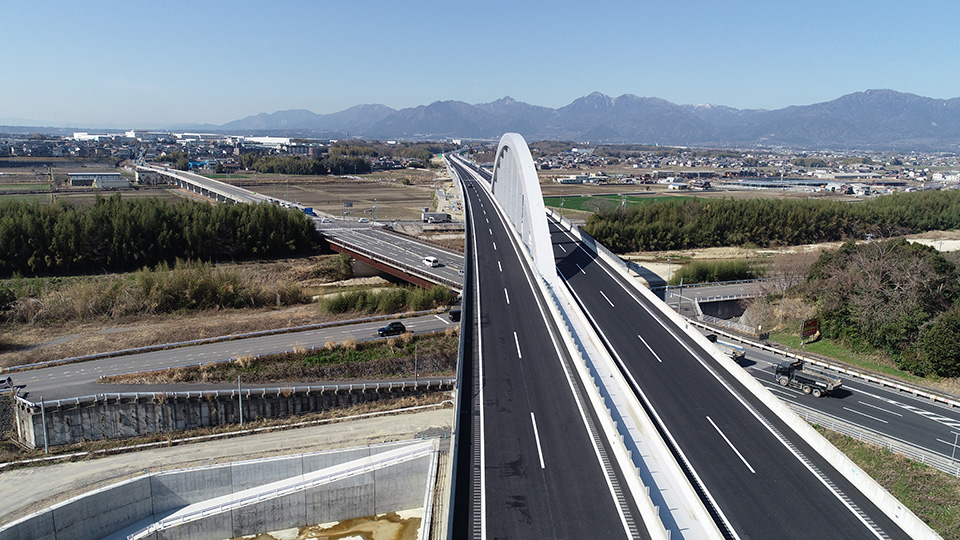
338 164
697 223
895 296
116 234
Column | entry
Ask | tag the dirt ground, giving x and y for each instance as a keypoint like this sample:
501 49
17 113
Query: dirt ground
656 261
386 190
28 343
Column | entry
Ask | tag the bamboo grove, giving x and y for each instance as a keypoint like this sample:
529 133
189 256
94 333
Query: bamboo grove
117 234
697 223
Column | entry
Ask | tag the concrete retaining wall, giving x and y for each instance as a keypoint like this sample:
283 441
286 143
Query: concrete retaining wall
142 500
113 416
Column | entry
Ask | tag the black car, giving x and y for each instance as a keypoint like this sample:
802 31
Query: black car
393 329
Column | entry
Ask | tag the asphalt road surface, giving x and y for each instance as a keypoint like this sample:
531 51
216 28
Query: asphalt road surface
538 473
80 379
762 480
401 249
898 415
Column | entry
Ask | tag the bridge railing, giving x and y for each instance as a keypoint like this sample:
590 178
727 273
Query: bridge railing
394 263
234 392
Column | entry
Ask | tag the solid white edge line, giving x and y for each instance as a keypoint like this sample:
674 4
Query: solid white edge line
822 477
732 447
655 416
483 452
517 341
539 286
649 348
536 435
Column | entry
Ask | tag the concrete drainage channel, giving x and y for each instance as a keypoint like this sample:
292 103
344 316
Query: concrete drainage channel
247 497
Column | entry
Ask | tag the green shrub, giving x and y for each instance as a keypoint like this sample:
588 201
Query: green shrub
714 271
392 300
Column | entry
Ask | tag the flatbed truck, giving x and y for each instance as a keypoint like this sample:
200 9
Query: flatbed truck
810 382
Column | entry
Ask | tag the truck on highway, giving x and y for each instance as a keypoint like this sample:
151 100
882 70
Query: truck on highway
810 382
734 352
435 217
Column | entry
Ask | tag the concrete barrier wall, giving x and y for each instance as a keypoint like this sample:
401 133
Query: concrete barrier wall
113 416
100 513
91 516
879 496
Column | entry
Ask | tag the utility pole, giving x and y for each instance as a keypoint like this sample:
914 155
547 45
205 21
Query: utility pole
680 296
240 397
763 301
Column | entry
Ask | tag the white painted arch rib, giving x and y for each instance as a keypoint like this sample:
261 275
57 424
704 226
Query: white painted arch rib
517 188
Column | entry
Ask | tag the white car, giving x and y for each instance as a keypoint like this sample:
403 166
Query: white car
326 220
363 220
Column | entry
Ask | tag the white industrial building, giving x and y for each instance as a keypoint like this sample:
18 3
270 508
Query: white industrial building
102 180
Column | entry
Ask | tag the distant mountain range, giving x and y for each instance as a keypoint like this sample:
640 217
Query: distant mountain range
873 119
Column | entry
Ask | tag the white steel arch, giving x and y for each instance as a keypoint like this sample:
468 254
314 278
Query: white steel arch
517 188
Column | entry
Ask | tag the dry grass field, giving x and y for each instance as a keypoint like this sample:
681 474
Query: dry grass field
398 194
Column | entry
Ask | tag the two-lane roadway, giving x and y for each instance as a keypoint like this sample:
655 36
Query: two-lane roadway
759 479
540 466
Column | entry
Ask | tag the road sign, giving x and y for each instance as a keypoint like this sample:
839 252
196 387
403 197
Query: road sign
810 327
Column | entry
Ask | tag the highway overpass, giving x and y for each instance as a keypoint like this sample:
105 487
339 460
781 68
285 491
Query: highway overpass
206 187
756 467
538 464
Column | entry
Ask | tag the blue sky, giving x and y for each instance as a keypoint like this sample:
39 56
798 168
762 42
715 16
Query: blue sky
144 64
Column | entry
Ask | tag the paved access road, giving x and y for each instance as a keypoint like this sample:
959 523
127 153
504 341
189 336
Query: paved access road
760 479
80 379
897 415
532 458
402 249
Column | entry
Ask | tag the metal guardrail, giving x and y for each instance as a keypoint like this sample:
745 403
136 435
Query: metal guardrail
711 284
232 393
951 467
396 264
735 326
899 386
723 297
217 339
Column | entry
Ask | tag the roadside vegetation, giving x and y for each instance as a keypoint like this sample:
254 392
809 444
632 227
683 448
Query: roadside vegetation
392 300
894 297
697 223
185 286
401 356
932 495
117 234
716 271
